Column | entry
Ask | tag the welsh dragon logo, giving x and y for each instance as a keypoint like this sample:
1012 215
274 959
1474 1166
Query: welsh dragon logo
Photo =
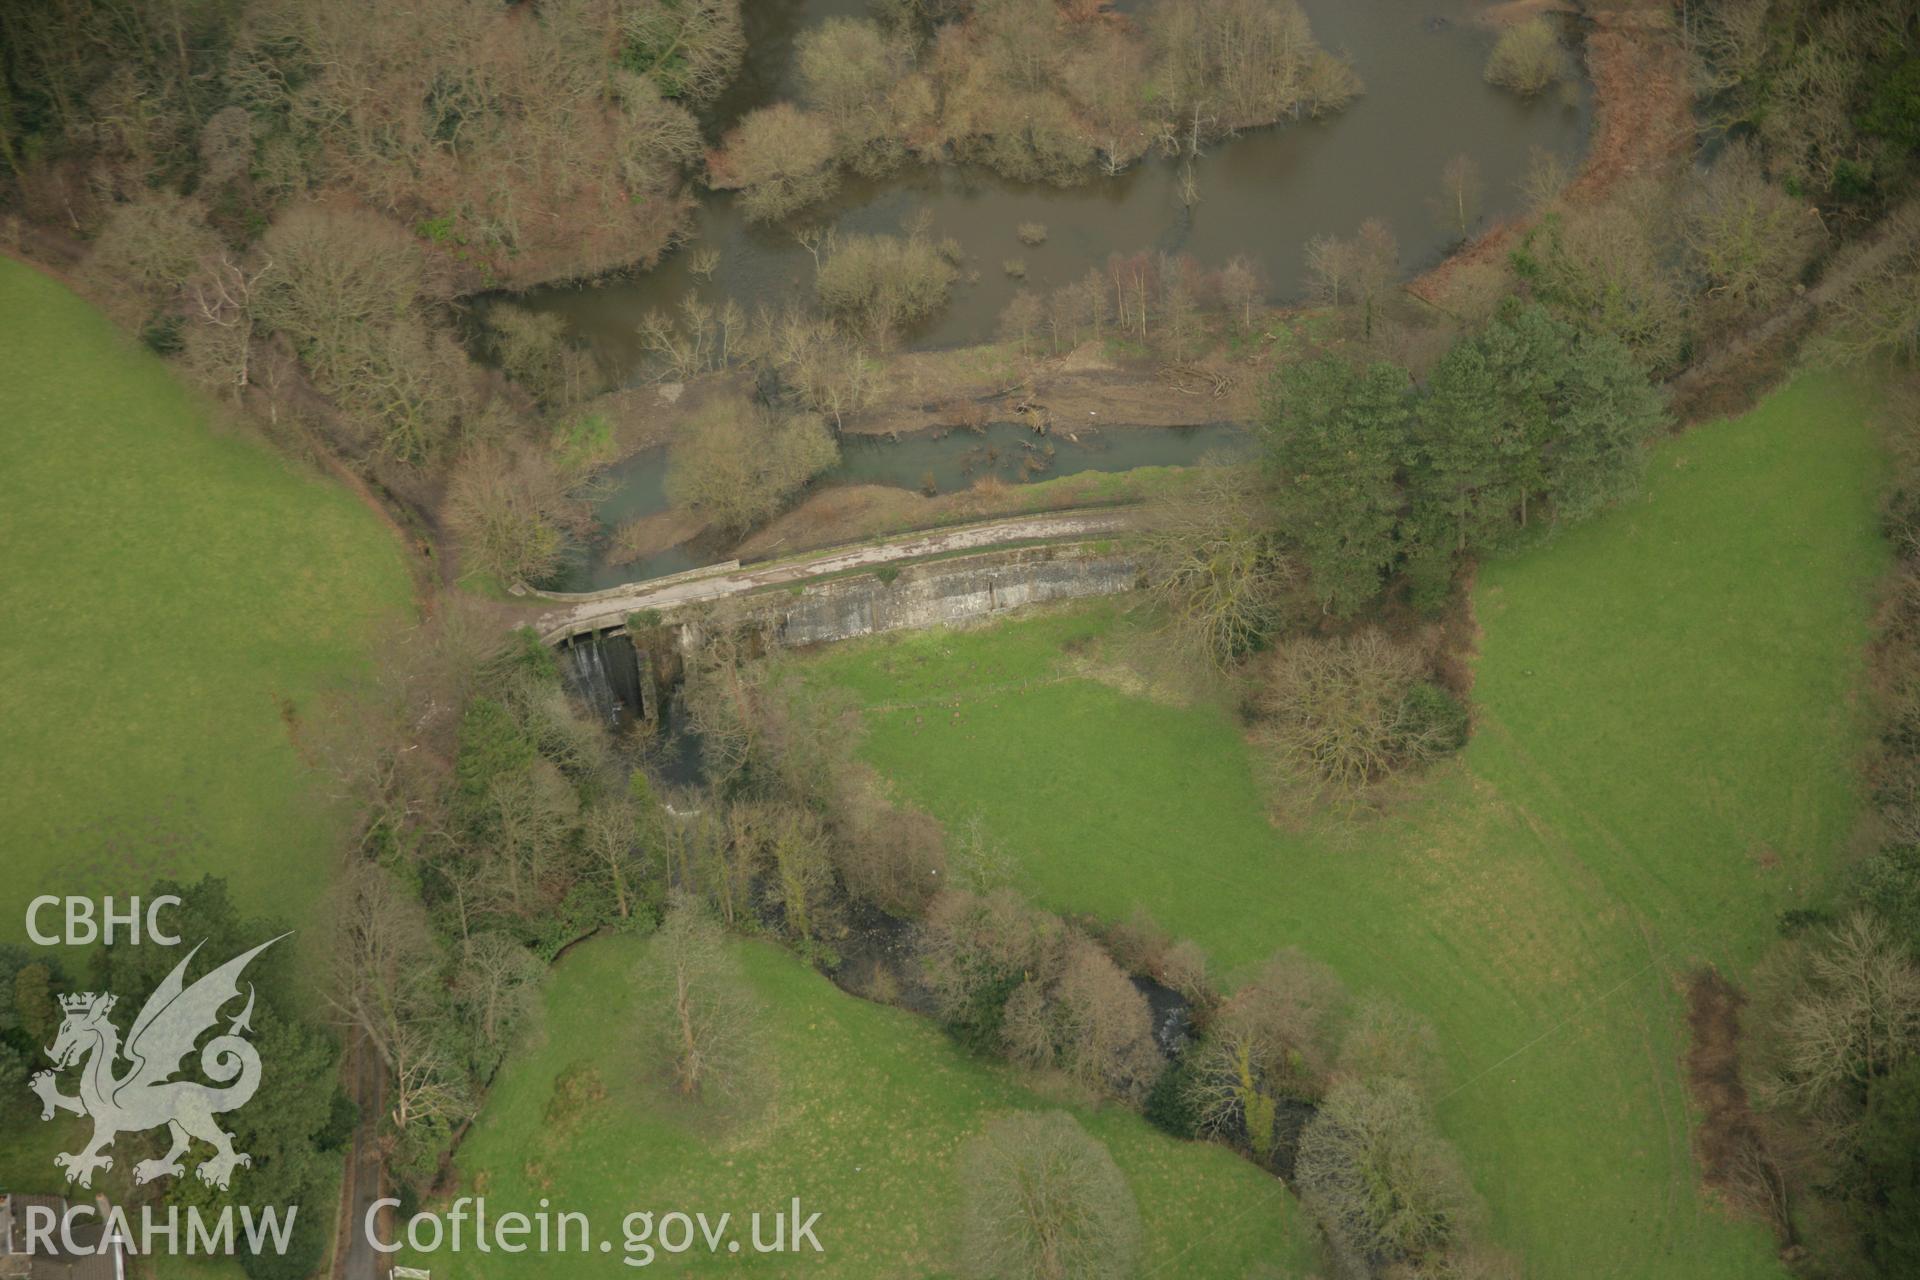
145 1096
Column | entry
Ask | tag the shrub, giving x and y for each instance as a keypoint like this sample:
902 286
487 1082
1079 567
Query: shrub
1384 1040
974 950
738 463
891 856
779 158
1338 715
1528 58
1184 968
1031 234
883 283
1379 1176
1169 1106
1270 1042
1043 1199
1433 721
1082 1015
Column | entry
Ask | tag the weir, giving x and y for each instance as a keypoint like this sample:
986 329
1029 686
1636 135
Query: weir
613 678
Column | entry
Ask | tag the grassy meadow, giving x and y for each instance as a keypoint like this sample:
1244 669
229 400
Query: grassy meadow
173 594
867 1111
1666 720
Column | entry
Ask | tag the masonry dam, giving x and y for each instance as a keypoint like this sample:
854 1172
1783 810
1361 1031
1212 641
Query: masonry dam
624 681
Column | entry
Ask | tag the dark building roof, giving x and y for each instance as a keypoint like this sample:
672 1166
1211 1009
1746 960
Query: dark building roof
94 1263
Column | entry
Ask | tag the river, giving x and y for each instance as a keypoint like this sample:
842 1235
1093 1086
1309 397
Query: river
1263 194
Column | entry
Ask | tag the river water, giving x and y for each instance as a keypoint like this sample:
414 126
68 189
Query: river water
1263 194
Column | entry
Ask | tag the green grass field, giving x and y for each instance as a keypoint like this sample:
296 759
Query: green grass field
867 1113
170 591
1666 723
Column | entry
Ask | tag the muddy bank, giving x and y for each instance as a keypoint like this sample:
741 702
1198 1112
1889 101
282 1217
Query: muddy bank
968 387
1642 124
927 391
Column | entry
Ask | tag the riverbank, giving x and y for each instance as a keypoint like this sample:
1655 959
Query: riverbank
1642 125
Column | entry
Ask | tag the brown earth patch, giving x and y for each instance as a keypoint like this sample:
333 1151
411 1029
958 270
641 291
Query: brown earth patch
1732 1151
650 535
854 513
1080 388
1642 123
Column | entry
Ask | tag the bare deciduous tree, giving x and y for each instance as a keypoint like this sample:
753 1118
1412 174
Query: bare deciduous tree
700 1009
1857 1014
1242 290
383 957
514 513
1746 236
495 982
1335 713
611 837
1354 273
1877 310
1214 566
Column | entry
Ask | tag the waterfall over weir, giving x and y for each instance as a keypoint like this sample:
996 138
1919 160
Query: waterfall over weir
604 671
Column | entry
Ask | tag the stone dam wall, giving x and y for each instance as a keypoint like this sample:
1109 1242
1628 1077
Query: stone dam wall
938 593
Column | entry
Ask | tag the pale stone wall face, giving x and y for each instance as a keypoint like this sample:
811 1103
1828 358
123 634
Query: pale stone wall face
942 593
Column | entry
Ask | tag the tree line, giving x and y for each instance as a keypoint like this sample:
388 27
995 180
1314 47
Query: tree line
529 142
1038 90
1830 1046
